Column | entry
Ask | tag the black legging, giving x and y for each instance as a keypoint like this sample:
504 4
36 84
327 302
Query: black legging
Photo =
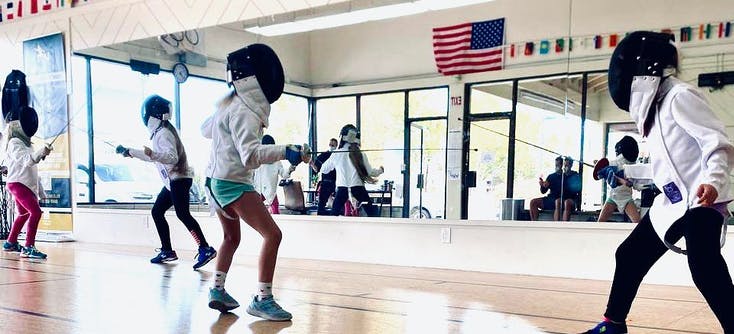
702 229
178 197
359 193
325 190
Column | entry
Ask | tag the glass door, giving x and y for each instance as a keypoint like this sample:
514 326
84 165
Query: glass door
488 149
427 169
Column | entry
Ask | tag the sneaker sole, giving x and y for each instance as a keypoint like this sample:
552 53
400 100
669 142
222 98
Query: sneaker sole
265 316
165 261
33 257
221 307
197 266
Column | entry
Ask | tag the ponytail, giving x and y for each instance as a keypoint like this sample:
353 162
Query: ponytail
355 155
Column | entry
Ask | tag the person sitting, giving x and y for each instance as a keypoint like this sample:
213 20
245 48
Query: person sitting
570 192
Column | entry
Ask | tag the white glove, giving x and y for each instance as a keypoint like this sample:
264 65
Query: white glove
42 153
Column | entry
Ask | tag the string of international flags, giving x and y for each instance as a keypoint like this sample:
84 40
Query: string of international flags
684 34
11 10
481 46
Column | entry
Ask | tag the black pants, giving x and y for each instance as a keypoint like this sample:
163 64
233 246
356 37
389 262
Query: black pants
325 190
359 193
178 197
702 229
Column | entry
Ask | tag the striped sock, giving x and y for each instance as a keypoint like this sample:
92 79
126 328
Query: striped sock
196 237
219 278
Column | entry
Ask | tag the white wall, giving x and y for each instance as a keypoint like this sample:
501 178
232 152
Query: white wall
402 47
574 250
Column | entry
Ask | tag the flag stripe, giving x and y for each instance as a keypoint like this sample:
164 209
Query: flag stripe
462 37
462 61
468 54
458 26
471 69
445 50
452 33
452 42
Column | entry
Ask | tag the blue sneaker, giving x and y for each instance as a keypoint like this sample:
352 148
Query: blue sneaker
205 255
221 300
164 256
12 247
268 309
608 327
32 253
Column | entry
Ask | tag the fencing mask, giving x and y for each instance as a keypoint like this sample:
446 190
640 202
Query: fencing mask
349 134
262 62
155 110
641 53
627 147
28 119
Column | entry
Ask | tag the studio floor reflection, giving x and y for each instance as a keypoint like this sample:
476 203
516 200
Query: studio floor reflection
94 288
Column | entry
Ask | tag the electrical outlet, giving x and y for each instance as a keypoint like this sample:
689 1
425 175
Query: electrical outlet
446 235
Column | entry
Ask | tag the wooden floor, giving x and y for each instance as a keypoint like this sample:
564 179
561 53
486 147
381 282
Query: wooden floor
92 288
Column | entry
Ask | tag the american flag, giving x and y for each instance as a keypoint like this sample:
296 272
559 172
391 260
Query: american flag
469 47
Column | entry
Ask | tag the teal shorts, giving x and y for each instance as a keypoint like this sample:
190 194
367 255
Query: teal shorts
225 192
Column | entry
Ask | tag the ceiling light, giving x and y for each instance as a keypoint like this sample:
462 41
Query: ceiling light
359 16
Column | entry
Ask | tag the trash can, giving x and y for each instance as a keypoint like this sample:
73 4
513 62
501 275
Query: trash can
511 208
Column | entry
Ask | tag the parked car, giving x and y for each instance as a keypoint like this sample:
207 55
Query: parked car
118 183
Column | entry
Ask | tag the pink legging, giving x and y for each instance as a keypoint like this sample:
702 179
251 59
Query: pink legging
26 203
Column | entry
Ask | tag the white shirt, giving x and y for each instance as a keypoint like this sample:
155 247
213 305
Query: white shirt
266 179
165 156
346 173
688 147
236 130
622 191
21 166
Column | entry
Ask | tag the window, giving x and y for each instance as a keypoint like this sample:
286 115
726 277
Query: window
199 97
597 99
428 102
117 96
548 117
382 123
289 125
78 128
331 115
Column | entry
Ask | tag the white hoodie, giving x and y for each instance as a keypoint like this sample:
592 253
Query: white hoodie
236 130
346 173
688 147
266 179
165 155
22 164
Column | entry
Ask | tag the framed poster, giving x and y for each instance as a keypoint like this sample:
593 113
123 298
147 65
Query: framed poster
44 66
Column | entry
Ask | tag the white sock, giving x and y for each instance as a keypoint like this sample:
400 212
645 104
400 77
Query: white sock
219 278
264 290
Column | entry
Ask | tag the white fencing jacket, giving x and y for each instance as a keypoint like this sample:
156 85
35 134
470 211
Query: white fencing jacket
267 177
165 156
22 165
346 173
688 147
236 130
